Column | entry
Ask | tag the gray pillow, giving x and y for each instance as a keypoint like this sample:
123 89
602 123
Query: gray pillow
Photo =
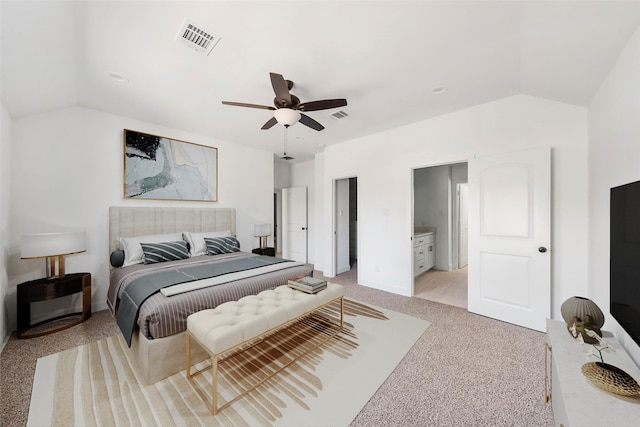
222 245
165 251
117 258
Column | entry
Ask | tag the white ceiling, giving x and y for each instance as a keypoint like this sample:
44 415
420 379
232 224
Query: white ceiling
384 57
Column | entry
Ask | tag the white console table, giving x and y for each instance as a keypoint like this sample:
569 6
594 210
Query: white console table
576 402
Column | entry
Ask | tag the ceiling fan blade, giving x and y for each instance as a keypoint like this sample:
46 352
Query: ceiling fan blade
242 104
272 121
308 121
281 89
325 104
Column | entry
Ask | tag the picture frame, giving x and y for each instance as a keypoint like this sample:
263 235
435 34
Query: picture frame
162 168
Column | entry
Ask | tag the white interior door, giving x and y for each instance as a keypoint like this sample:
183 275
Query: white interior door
509 237
294 223
463 226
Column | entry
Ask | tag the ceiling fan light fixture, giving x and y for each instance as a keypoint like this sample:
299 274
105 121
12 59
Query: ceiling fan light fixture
287 116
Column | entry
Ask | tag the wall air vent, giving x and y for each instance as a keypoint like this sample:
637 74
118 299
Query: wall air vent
339 115
197 38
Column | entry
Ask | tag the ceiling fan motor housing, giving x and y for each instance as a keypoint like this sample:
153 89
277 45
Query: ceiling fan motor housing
283 103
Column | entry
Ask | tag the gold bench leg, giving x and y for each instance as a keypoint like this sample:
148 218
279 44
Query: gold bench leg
215 359
214 375
188 356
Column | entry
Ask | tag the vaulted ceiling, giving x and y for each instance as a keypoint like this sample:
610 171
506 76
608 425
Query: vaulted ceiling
387 58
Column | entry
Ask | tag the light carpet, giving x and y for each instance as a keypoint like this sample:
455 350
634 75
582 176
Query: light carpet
97 383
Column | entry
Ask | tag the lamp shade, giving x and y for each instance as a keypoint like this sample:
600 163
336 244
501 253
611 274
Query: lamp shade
52 244
262 230
287 116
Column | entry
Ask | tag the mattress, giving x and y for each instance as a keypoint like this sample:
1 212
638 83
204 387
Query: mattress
161 316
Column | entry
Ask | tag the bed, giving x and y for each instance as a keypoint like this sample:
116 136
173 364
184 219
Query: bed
157 339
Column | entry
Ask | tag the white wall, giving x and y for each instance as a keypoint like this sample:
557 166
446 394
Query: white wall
614 159
281 175
68 169
316 241
383 163
5 190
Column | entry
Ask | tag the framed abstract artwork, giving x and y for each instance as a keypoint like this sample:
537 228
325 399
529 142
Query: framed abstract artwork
160 168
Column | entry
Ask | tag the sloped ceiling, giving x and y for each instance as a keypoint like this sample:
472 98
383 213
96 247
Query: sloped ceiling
385 57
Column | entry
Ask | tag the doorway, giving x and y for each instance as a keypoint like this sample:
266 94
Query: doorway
345 224
440 216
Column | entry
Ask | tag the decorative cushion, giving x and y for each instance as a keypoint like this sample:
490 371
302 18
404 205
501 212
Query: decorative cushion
234 322
165 251
222 245
133 251
117 258
197 245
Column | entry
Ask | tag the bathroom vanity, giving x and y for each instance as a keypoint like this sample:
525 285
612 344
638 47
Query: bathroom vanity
424 251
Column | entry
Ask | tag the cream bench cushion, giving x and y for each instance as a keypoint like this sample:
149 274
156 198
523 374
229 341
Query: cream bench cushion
232 323
236 323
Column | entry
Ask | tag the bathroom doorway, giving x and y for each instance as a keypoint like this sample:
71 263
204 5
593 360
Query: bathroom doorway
440 216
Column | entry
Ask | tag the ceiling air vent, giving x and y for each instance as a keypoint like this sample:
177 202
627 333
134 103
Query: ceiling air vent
339 115
197 38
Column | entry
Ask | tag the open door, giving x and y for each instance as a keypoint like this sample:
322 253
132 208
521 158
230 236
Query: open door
509 237
294 223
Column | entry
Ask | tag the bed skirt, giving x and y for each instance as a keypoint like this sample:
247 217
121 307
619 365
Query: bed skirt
160 358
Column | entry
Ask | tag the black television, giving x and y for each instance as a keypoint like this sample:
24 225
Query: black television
624 280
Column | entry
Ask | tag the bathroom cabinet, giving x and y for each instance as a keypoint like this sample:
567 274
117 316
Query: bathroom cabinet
424 252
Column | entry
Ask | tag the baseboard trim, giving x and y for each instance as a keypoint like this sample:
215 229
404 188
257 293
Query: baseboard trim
4 342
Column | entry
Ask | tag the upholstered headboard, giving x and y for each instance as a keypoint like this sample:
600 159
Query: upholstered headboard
142 221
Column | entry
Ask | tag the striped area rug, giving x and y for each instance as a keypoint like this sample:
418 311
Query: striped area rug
97 383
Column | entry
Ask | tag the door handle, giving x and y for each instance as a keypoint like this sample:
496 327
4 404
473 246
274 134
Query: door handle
304 228
542 249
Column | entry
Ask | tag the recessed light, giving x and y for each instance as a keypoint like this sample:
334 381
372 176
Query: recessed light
438 90
117 77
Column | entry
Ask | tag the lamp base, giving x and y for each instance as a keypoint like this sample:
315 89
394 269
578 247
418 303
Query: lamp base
51 267
263 241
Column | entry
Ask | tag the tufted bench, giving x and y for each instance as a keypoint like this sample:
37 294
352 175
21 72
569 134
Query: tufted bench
237 325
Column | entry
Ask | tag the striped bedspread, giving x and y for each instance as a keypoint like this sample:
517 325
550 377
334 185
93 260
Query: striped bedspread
160 316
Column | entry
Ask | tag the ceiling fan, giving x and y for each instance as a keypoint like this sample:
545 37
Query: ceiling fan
288 108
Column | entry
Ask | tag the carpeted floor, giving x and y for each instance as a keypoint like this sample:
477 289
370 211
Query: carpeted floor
465 370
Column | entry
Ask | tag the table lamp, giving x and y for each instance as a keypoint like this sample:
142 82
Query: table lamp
262 231
53 246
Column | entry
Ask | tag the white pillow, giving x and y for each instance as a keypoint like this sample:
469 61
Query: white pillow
133 251
197 245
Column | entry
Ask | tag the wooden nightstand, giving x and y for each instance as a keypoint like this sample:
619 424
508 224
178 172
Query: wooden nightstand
45 289
264 251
